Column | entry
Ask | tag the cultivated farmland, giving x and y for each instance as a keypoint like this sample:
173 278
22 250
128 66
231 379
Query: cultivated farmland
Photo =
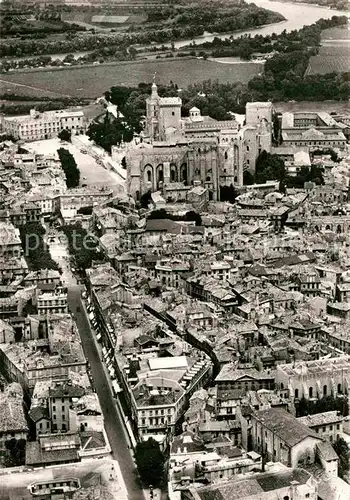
334 55
330 59
92 81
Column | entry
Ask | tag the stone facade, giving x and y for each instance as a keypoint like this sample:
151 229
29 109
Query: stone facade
192 150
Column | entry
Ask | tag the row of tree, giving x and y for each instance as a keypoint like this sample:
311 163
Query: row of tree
69 167
36 252
327 403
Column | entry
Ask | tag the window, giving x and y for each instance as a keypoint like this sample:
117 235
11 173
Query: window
296 393
173 113
331 427
54 408
324 429
310 392
324 390
338 427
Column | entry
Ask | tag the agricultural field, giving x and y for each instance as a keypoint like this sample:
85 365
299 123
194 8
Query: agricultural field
92 81
334 54
332 57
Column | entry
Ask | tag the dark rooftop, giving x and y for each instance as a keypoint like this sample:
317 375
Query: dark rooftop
288 428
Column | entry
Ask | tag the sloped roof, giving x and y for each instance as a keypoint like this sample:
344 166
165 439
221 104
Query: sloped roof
38 413
288 428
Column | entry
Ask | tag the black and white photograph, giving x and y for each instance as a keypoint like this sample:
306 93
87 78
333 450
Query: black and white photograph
174 250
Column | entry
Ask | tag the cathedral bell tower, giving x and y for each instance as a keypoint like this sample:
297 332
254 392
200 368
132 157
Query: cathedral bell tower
152 114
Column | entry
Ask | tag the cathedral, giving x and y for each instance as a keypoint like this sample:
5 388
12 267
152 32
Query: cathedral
175 153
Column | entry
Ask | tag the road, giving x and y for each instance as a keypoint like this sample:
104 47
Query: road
113 423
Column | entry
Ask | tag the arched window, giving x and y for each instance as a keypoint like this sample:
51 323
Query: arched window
310 392
173 173
325 390
183 173
339 228
149 176
339 388
226 155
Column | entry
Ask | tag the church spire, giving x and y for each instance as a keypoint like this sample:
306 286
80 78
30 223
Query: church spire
154 93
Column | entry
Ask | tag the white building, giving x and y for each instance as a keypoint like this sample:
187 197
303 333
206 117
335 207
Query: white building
36 126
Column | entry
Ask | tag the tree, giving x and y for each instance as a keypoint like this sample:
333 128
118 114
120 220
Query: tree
36 252
269 167
149 461
83 246
15 452
341 448
248 178
228 193
65 135
193 216
69 167
326 403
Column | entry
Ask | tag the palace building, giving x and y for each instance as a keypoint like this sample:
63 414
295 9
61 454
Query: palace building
176 153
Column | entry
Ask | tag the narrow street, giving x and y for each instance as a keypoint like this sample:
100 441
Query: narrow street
113 423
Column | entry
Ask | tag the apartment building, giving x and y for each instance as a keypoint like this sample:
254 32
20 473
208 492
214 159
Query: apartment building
10 241
37 126
51 299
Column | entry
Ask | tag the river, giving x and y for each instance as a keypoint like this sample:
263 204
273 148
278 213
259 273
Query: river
297 15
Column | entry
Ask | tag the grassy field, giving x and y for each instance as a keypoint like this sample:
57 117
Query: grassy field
93 81
336 33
